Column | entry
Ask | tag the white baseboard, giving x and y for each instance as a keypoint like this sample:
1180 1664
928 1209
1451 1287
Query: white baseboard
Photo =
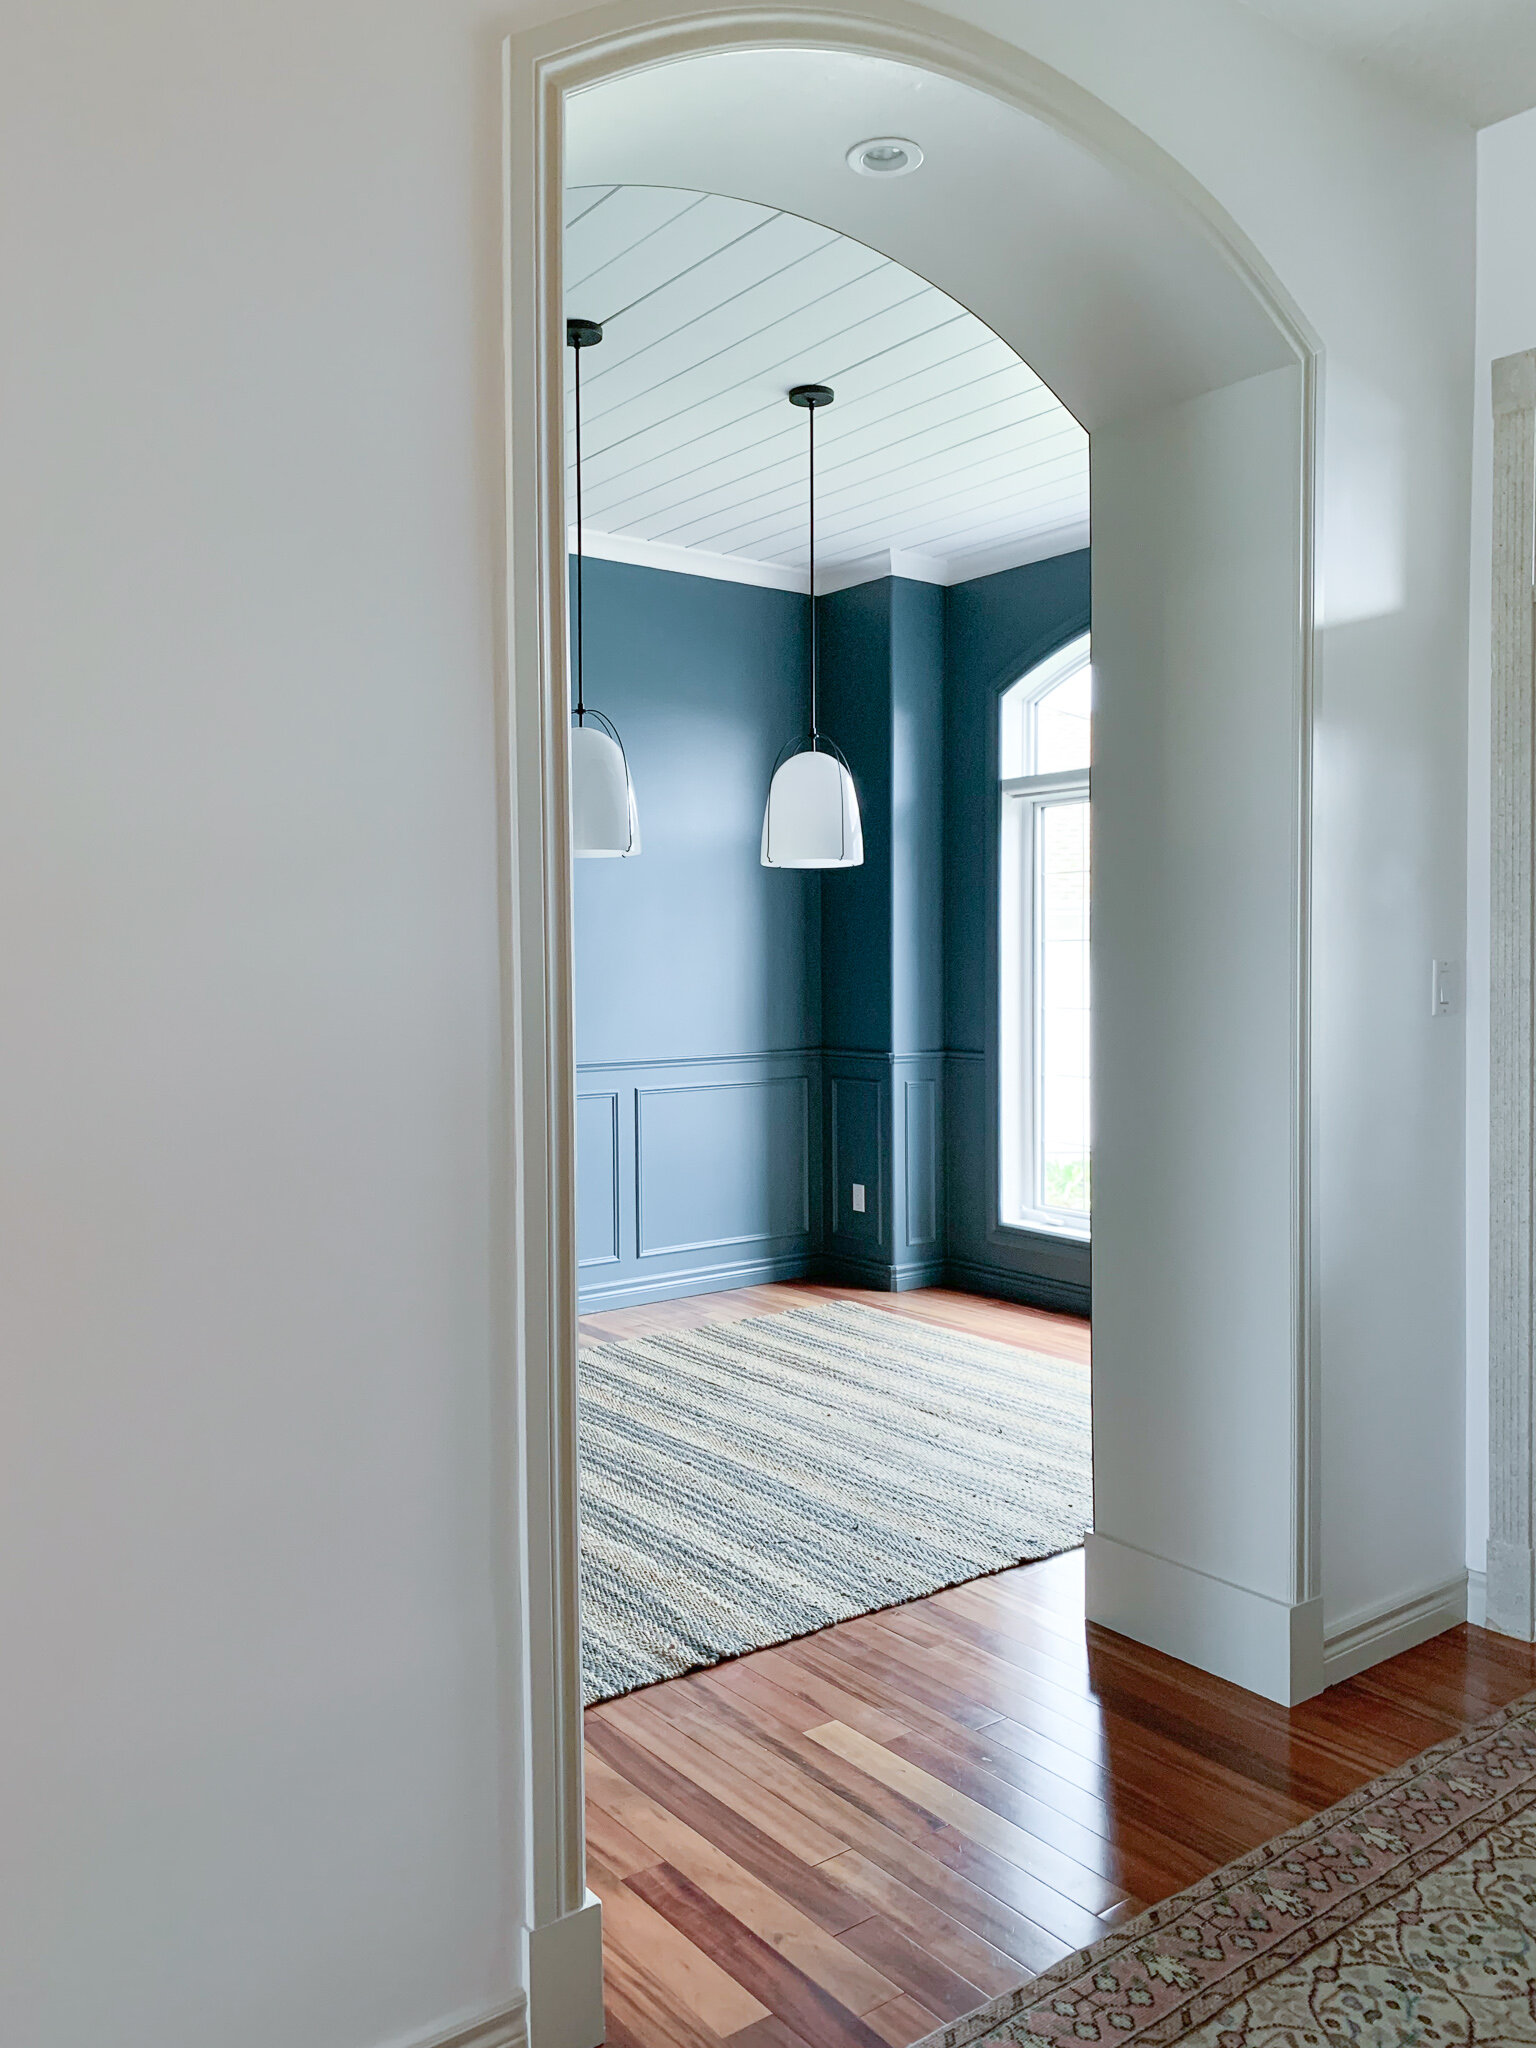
507 2027
565 1980
1477 1599
1266 1646
1368 1638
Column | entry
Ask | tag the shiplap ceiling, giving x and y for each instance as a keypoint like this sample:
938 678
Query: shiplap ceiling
943 450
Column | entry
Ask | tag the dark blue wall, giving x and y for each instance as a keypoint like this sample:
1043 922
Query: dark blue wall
695 949
882 701
882 925
698 970
754 1043
917 816
995 630
855 711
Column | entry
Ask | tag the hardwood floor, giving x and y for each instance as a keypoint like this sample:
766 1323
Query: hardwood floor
844 1841
1008 1322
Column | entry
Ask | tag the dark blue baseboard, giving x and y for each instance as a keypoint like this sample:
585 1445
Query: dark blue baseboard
1034 1290
839 1270
706 1280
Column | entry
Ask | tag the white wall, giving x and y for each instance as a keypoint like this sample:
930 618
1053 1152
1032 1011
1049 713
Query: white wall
249 1783
1365 209
1506 323
1196 511
249 1722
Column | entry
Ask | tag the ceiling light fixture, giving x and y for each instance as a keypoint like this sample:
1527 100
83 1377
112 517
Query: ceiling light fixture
884 156
604 822
812 815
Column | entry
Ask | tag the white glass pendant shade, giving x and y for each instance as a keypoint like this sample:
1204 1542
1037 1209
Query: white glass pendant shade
604 822
812 815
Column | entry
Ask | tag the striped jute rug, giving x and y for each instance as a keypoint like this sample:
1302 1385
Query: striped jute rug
748 1482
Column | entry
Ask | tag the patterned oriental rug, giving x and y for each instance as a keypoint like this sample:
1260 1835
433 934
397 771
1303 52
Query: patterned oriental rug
748 1482
1405 1914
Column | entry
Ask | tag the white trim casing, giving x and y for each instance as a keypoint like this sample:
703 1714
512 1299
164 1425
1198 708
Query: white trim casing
565 1979
1023 797
539 1050
1020 1028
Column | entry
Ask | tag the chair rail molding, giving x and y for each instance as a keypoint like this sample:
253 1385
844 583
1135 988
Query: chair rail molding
540 68
1511 1590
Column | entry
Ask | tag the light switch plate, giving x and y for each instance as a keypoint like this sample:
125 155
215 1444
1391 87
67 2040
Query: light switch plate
858 1198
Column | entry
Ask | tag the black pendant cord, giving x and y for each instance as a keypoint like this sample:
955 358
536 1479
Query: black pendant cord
811 423
581 702
812 396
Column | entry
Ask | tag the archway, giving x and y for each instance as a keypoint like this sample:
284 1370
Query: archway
1128 291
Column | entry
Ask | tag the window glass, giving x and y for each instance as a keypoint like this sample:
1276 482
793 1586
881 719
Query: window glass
1062 954
1063 725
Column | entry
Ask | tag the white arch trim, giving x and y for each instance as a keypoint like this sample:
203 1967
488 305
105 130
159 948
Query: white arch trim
563 1960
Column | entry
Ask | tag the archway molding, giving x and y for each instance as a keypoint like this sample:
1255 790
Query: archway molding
539 1330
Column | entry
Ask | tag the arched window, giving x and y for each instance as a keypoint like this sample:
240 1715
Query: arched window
1043 1092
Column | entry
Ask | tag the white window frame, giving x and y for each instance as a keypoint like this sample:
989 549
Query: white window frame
1023 798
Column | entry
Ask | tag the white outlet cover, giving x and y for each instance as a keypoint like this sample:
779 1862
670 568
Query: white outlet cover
858 1198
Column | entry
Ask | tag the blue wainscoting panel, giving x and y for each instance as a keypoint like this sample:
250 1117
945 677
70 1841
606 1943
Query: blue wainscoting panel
597 1178
718 1174
917 1170
856 1157
885 1130
920 1101
722 1163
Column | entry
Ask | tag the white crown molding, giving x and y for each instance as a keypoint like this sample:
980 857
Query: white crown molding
665 554
916 567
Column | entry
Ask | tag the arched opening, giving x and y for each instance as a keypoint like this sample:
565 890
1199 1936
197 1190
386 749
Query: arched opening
1142 309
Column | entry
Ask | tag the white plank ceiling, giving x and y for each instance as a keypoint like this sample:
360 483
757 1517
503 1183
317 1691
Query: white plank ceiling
943 449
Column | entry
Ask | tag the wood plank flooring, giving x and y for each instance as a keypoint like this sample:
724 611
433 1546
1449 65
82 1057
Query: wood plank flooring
1008 1322
843 1841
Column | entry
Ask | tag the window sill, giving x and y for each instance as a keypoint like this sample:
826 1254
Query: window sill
1048 1226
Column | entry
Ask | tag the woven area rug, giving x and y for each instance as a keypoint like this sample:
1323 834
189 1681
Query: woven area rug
1404 1915
748 1482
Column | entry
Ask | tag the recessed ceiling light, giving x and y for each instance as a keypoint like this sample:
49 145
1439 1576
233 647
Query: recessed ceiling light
884 156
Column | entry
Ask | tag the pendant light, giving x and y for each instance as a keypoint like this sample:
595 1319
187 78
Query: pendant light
812 816
604 822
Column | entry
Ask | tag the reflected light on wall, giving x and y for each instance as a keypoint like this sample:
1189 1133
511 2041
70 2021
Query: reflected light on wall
1362 556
